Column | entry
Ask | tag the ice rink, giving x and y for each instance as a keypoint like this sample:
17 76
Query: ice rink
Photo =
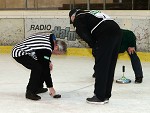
72 78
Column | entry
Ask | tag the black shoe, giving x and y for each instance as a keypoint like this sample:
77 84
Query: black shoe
41 90
106 100
95 100
93 75
138 80
32 96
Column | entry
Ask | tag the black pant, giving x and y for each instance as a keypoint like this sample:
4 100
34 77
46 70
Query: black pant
136 65
37 72
108 36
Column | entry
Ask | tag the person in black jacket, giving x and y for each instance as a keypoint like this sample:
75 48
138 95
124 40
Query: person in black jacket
34 53
103 35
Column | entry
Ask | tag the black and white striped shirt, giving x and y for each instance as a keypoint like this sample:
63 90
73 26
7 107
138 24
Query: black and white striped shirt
32 43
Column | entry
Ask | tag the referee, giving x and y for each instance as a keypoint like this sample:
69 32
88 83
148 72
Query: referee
34 53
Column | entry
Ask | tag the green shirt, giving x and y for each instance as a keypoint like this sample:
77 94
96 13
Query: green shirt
128 40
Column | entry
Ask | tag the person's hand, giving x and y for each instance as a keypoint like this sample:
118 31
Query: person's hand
52 91
50 66
131 50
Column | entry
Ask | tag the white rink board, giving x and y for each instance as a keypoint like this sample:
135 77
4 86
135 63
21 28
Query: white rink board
137 21
11 31
41 25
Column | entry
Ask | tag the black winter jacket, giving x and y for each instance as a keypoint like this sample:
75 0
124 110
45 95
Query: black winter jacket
84 22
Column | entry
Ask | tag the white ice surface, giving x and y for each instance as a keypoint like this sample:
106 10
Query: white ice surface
72 77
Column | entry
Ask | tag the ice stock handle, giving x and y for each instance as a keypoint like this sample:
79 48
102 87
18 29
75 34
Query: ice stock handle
123 68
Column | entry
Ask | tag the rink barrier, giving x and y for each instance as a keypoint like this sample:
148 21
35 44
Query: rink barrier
86 52
16 25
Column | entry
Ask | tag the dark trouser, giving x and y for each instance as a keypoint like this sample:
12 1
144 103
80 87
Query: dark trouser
37 72
136 65
108 36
